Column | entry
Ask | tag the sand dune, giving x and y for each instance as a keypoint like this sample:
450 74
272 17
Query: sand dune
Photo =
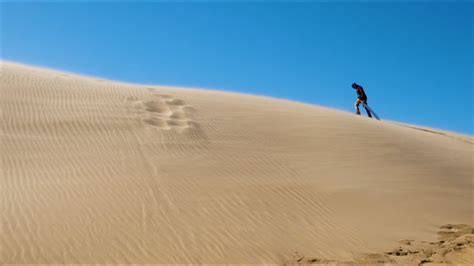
95 171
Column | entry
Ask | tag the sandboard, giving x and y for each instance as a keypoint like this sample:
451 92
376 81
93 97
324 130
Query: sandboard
371 111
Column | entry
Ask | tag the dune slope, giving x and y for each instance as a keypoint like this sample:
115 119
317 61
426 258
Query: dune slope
100 172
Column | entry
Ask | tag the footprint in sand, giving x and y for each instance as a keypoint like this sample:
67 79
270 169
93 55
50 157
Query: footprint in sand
156 122
178 123
157 107
163 96
165 112
176 102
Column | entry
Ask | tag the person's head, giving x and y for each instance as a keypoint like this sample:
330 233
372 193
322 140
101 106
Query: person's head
354 85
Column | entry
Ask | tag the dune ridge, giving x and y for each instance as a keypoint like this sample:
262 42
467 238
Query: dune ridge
95 171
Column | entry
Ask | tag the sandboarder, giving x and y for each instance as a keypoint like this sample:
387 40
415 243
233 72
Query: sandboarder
361 98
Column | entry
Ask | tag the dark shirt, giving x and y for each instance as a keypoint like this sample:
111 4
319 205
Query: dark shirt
361 93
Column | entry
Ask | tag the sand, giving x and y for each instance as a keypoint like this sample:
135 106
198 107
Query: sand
95 171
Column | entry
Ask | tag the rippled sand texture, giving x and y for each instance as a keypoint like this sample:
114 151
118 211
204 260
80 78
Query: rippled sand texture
100 172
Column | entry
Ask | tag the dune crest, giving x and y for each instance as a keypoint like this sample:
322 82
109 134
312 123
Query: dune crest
95 171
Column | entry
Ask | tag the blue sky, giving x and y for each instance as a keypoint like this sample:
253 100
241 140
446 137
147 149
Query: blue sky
415 60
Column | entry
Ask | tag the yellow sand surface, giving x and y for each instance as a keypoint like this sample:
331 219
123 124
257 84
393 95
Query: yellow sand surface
95 171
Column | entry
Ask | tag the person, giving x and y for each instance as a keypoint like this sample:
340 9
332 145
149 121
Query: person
361 98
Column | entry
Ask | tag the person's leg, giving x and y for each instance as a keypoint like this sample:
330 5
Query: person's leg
356 105
367 110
